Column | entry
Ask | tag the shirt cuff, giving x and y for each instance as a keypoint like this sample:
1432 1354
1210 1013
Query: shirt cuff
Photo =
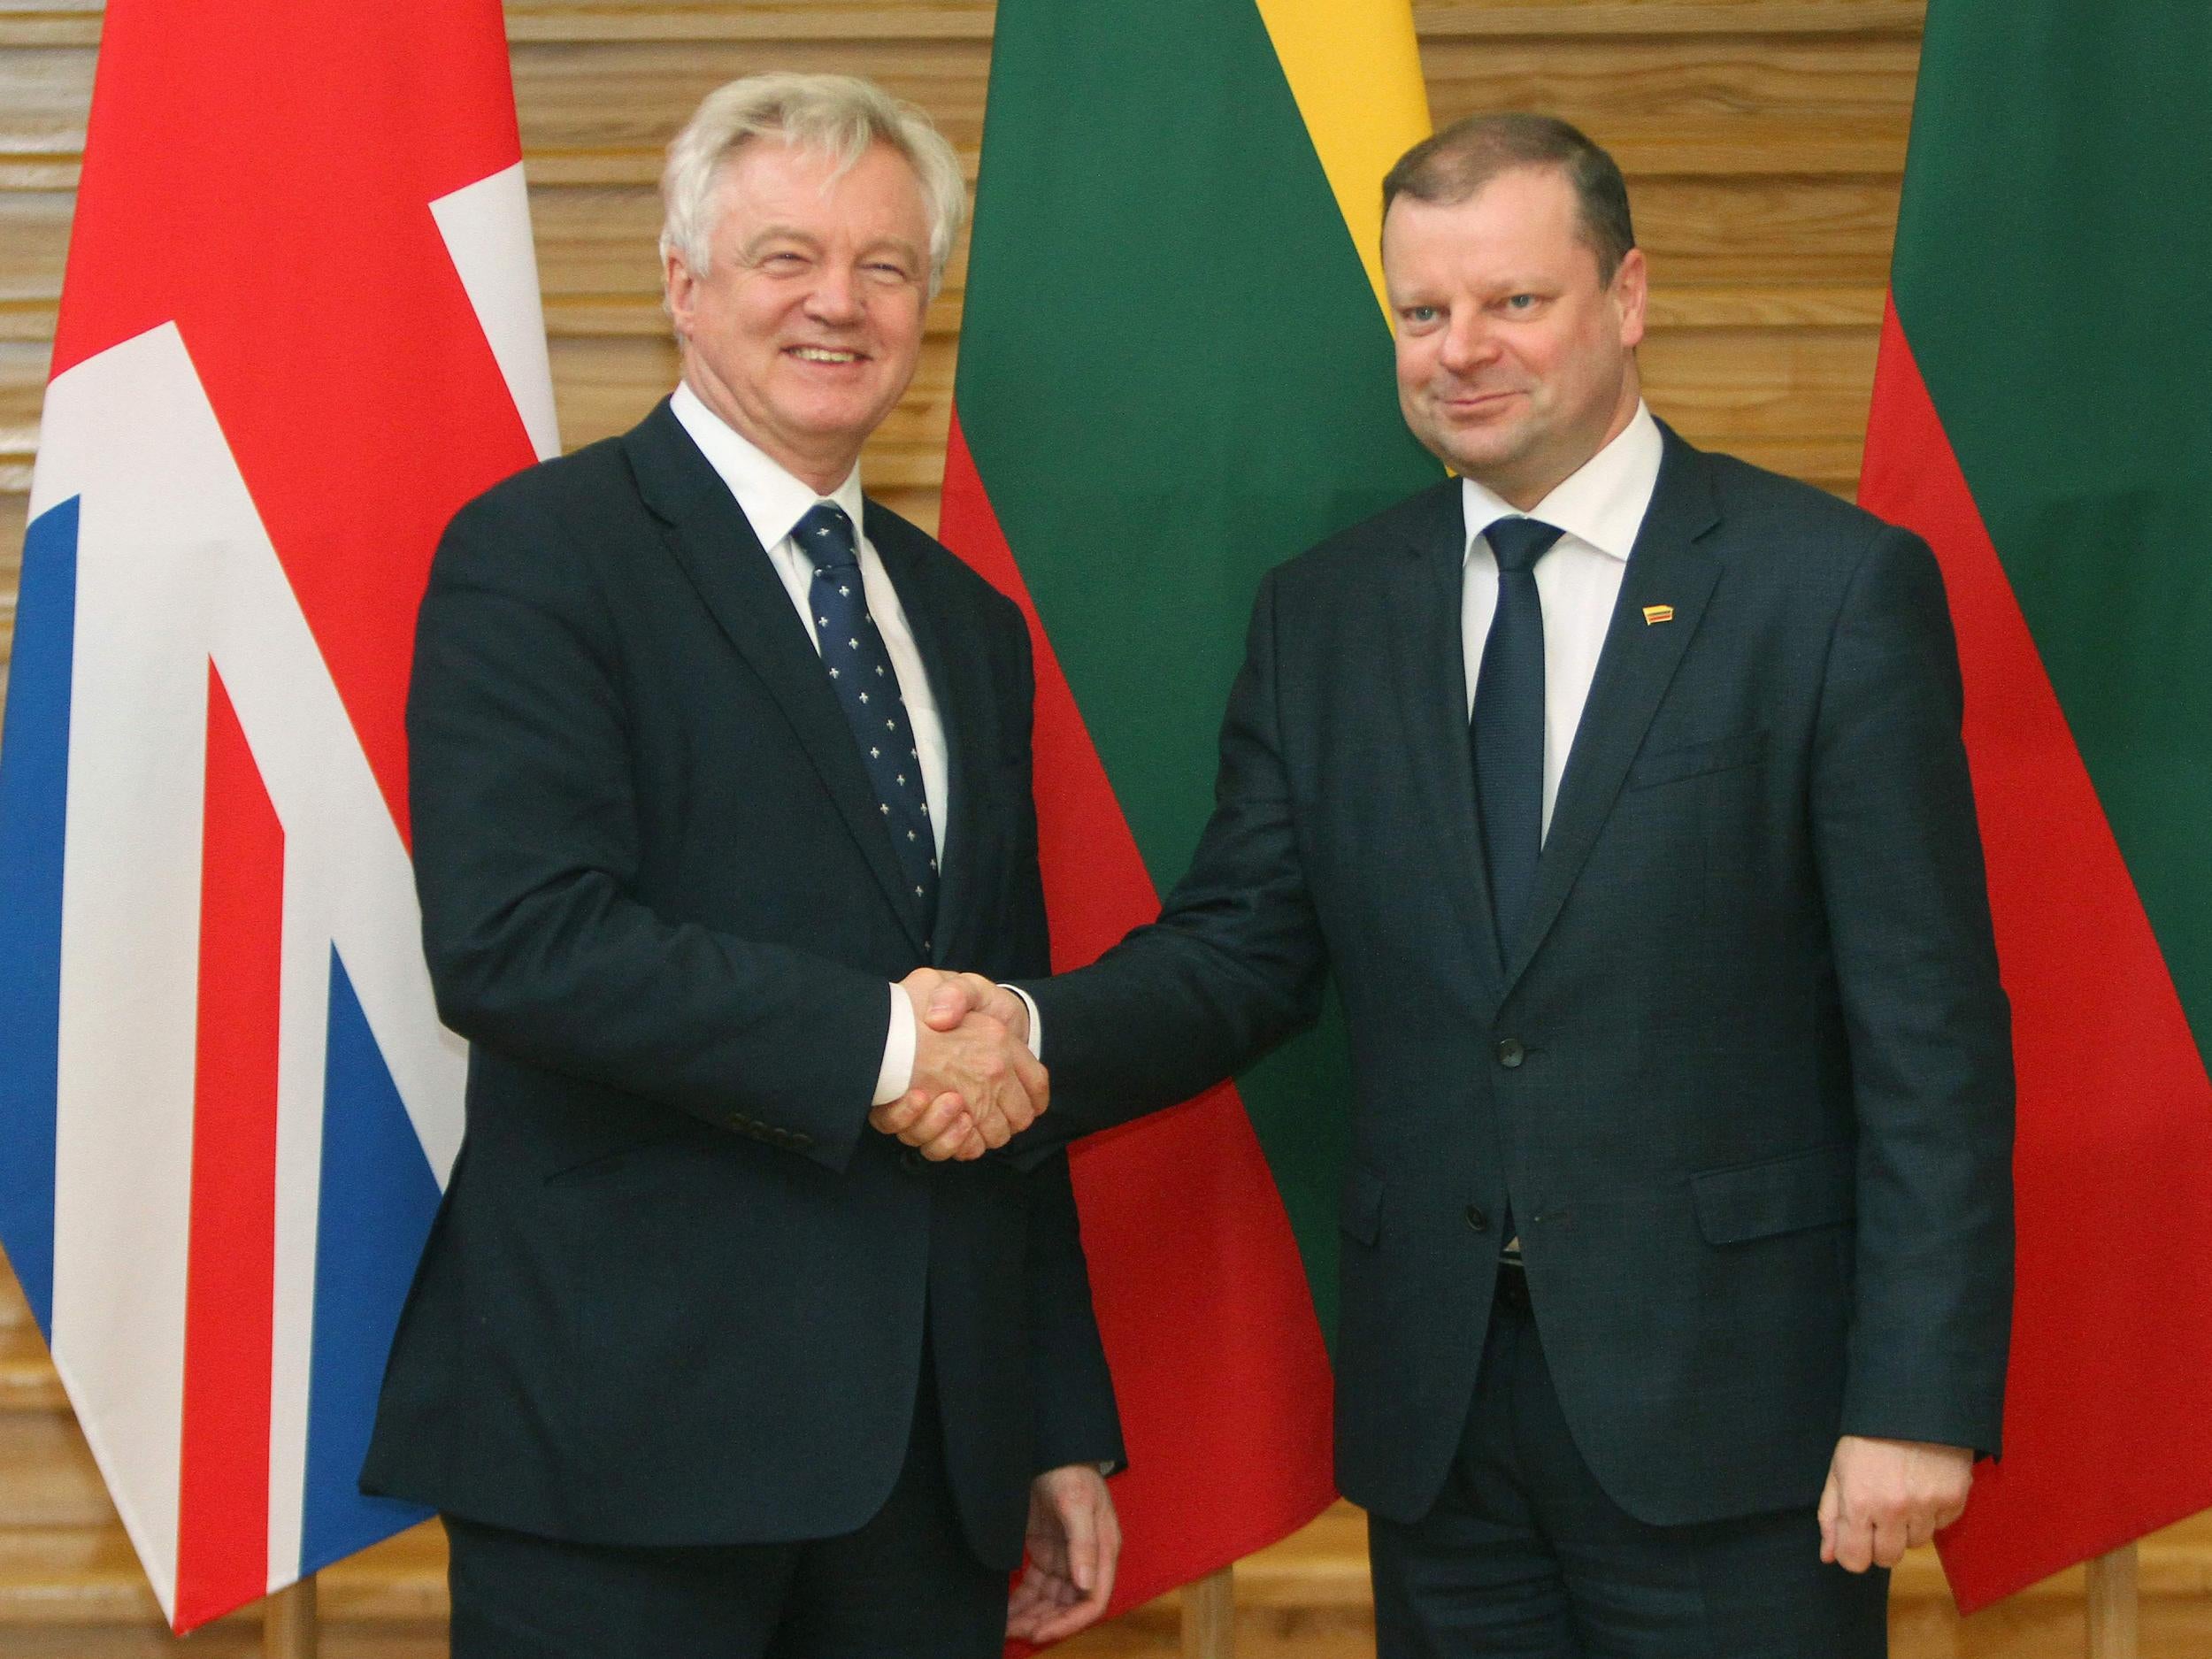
896 1074
1036 1020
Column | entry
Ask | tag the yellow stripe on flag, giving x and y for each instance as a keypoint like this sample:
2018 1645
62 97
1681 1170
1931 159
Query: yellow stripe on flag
1354 68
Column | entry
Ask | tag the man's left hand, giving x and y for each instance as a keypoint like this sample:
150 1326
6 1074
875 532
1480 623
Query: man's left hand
954 996
1074 1545
1884 1497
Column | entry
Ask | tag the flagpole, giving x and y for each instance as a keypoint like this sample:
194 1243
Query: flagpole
288 1622
2113 1605
1210 1616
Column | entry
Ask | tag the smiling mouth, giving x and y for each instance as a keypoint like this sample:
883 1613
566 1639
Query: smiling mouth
823 354
1477 402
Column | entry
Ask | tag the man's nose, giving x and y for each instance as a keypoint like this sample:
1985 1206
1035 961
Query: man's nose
1468 341
835 294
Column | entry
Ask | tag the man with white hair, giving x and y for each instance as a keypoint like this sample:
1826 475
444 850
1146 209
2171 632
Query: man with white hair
709 754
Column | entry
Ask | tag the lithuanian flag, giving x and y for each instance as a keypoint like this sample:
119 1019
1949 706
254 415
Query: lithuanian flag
2043 415
1175 371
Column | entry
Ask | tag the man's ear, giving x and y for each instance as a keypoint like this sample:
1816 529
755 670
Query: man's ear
1630 289
677 283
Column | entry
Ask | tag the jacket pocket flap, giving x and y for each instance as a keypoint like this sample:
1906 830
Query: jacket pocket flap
1758 1201
1692 760
1360 1212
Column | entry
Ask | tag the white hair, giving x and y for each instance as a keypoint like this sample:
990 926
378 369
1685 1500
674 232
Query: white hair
835 116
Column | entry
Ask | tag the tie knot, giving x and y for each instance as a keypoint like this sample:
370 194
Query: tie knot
825 536
1519 543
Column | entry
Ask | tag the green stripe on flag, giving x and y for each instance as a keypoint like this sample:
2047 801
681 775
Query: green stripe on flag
1174 375
2054 273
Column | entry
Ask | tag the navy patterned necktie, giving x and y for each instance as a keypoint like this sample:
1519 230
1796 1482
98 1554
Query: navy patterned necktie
1508 726
867 690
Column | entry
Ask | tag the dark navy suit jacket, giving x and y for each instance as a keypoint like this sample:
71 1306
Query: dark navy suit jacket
1745 1082
678 1288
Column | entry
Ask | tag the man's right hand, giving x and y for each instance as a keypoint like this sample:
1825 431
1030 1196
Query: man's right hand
975 1084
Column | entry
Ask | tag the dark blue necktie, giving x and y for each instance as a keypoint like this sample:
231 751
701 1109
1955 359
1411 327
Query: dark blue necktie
1508 726
867 690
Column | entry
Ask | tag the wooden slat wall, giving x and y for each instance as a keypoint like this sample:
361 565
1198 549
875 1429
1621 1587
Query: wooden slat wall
1763 141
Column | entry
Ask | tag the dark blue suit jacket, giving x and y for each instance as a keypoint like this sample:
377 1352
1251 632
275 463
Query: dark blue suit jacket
677 1290
1745 1082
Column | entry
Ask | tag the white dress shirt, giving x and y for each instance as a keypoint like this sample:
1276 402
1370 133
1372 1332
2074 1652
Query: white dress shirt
773 501
1600 508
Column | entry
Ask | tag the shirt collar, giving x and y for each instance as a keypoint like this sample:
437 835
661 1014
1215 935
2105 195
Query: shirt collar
770 498
1602 503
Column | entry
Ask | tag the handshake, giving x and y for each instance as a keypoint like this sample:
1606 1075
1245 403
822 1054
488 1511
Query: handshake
975 1086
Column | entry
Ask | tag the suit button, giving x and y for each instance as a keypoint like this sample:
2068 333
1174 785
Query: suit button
1510 1053
800 1142
1475 1219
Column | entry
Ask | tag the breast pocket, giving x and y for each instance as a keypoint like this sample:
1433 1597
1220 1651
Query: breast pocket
1697 760
1710 800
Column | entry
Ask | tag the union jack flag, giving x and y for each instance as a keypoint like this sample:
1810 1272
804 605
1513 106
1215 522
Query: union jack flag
300 326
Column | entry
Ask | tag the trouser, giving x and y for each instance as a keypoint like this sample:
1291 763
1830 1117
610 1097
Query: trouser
1524 1556
904 1587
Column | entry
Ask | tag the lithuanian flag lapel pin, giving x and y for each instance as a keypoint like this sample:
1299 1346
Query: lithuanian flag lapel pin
1656 614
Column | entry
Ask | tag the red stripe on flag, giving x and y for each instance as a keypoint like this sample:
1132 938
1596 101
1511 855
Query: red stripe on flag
262 176
223 1484
2106 1434
1218 1362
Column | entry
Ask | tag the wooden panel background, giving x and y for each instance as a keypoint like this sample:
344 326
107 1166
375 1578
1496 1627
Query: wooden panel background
1763 141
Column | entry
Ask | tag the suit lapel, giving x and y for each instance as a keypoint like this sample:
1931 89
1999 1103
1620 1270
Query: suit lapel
1635 668
718 549
1425 584
956 682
